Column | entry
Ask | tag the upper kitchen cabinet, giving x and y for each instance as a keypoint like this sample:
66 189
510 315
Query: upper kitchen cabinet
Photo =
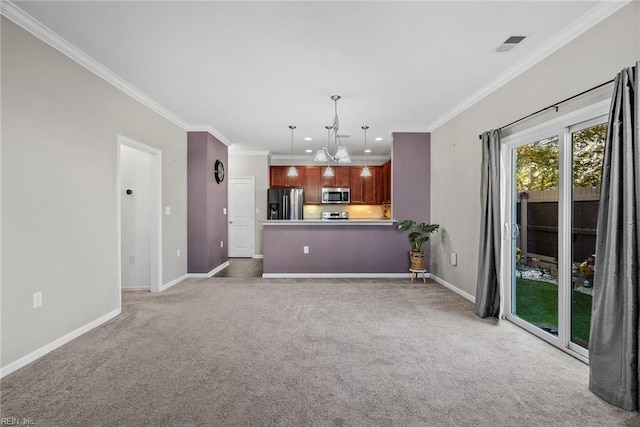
340 178
364 189
279 178
313 184
384 184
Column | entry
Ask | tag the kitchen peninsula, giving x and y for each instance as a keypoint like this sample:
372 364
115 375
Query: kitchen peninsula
357 247
354 247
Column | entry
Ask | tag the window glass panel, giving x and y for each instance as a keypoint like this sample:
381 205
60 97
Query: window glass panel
535 243
587 147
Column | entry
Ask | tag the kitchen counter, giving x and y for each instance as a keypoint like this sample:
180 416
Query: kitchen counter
325 222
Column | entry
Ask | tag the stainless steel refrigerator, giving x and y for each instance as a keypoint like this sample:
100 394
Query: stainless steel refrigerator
285 203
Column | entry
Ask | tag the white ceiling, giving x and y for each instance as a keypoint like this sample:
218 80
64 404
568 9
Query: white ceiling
250 69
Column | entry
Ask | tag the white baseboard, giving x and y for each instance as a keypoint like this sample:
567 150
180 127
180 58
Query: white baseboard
335 275
258 256
173 282
454 288
34 355
136 288
211 273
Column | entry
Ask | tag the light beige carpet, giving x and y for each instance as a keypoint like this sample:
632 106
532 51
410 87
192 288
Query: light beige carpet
254 352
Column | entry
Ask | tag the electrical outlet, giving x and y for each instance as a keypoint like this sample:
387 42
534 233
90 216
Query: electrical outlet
178 253
221 243
454 258
224 211
37 299
305 249
132 259
167 210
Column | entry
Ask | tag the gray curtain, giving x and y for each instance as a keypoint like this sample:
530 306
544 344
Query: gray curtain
488 287
613 343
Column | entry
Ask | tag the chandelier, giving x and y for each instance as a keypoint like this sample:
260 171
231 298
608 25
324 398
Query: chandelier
340 155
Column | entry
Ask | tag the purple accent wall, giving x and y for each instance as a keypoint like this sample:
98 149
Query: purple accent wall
335 249
206 200
411 183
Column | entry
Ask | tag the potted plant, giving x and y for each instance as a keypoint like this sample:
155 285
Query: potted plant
418 235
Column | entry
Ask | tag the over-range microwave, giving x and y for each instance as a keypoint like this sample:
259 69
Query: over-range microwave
335 195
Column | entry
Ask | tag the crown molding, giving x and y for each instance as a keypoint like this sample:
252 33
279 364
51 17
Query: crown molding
249 153
213 131
39 30
592 17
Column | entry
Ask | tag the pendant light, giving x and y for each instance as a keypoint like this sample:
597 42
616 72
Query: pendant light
342 154
328 171
365 170
292 170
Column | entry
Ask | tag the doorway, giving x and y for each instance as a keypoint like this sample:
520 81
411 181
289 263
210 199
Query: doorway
139 183
241 217
551 194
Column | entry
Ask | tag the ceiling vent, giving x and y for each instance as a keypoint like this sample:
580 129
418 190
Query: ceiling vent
510 43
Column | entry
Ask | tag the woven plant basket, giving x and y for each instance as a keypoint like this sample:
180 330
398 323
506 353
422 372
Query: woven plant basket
417 260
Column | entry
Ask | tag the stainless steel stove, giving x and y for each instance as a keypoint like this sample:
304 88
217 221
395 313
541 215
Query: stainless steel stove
334 215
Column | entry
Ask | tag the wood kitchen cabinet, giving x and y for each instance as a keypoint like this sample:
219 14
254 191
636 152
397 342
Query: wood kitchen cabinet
278 177
384 184
373 190
313 184
341 177
364 189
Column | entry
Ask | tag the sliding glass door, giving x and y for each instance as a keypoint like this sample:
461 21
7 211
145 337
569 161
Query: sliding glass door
551 194
587 149
534 241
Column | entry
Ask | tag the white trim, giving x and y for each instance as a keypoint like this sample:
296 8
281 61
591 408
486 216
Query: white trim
173 282
592 17
453 288
337 275
34 355
213 131
258 256
211 273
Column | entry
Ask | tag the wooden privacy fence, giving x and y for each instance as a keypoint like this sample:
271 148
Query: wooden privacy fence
537 216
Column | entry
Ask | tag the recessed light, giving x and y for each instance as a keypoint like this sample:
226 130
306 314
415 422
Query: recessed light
378 139
308 151
308 138
367 151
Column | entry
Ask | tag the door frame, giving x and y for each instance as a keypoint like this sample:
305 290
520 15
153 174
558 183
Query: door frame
252 209
562 127
155 234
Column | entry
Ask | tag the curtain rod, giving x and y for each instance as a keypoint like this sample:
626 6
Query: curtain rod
555 105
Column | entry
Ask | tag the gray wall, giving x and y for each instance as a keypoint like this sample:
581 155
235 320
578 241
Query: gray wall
59 220
257 166
592 58
207 203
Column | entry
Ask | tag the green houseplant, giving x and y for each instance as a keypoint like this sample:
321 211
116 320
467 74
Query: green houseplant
418 235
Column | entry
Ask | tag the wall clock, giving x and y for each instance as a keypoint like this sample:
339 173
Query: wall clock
218 171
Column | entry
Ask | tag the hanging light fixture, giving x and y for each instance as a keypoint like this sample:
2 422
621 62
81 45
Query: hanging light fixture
328 171
342 154
365 170
292 170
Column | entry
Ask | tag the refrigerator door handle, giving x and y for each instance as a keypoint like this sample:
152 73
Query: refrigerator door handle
285 207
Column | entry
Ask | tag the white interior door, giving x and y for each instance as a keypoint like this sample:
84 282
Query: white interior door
241 217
